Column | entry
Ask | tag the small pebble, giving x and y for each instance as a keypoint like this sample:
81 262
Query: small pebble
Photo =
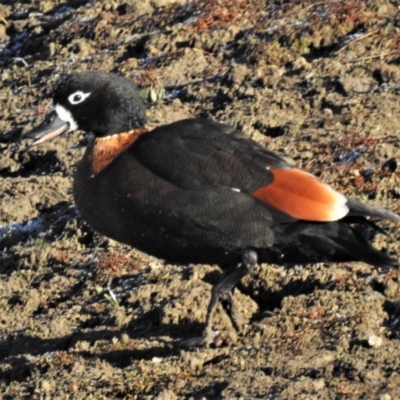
375 341
125 338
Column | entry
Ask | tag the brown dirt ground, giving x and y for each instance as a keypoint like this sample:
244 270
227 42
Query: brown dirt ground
318 82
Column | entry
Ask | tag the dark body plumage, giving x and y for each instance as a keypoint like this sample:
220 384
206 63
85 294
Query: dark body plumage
170 195
197 191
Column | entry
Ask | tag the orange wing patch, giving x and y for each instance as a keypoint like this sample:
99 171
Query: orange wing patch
108 148
302 196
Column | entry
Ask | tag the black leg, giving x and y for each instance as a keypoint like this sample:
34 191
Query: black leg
225 287
229 306
224 290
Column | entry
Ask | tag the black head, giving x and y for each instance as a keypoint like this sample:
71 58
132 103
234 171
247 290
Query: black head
92 101
100 103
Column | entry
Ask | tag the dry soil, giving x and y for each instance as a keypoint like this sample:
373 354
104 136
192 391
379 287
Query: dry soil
82 317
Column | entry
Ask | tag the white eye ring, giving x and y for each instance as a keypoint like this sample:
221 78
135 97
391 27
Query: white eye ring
78 97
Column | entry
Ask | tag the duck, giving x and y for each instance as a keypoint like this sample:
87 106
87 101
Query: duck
199 191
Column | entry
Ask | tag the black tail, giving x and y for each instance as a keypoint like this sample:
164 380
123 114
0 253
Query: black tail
304 242
365 210
366 253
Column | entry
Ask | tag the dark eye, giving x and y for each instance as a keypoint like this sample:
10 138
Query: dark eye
77 97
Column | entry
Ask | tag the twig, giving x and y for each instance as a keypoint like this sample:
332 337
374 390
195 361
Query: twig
295 9
16 59
359 38
392 53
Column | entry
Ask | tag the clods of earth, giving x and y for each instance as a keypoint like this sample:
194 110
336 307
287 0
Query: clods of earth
85 317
